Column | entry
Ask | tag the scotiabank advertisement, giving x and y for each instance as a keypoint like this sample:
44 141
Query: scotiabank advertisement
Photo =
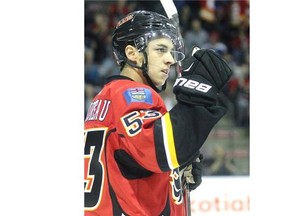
221 196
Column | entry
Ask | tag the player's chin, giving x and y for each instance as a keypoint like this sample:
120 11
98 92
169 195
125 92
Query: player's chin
160 81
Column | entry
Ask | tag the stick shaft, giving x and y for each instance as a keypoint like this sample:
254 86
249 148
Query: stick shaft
188 204
172 14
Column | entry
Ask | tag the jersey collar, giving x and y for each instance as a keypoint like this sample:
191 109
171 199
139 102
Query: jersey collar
117 77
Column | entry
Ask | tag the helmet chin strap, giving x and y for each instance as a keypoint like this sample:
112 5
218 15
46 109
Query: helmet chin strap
144 70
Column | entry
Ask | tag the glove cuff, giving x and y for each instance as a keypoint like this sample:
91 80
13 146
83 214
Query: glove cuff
195 100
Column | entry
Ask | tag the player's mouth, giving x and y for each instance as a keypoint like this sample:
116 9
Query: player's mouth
166 71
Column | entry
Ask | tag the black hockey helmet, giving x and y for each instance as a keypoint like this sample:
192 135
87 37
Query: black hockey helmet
138 27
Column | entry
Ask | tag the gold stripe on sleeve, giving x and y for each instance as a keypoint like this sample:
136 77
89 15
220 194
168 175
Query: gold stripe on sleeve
169 141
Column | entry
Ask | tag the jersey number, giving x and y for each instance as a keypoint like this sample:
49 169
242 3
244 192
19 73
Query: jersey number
133 121
93 167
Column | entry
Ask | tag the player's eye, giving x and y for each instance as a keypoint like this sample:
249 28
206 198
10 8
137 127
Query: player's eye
161 50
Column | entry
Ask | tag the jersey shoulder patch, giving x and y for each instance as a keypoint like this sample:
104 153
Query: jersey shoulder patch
138 94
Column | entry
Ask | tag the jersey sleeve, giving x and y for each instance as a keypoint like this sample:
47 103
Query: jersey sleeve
136 109
181 133
158 140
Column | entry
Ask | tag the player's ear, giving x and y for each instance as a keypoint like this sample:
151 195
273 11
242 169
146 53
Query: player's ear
133 55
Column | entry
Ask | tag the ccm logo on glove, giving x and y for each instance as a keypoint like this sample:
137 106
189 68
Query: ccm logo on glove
192 84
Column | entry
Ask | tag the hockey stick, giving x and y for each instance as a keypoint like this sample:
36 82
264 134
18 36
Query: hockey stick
172 14
188 180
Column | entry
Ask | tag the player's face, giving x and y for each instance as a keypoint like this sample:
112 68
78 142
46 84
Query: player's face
160 59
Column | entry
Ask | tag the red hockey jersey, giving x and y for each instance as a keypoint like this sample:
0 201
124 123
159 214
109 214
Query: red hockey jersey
131 153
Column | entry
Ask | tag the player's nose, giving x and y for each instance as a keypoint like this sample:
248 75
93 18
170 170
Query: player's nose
169 58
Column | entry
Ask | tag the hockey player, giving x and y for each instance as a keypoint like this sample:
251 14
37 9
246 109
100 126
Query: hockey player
135 149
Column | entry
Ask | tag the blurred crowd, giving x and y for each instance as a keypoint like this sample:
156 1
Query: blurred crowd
220 25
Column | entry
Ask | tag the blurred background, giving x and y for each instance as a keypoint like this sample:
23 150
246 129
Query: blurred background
220 25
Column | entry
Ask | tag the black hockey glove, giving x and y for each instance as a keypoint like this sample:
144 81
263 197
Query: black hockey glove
192 174
204 74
